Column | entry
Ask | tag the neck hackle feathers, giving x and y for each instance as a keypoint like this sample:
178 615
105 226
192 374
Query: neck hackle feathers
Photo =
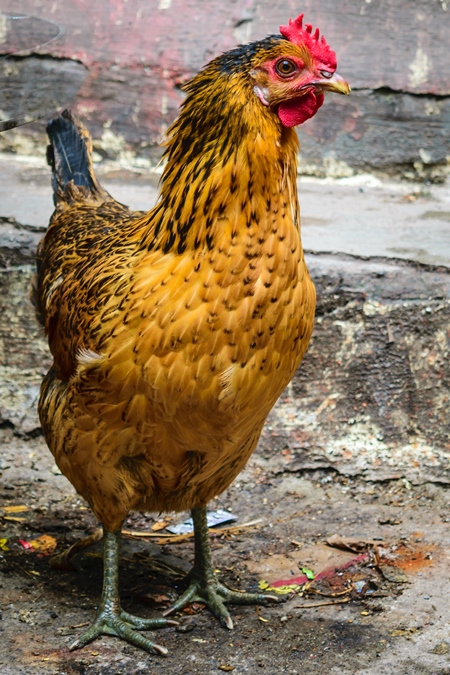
305 35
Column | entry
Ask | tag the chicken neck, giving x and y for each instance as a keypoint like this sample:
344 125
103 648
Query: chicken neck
230 168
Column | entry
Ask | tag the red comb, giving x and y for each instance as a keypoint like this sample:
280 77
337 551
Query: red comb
318 46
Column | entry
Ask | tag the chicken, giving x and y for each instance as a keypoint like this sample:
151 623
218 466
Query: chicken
174 332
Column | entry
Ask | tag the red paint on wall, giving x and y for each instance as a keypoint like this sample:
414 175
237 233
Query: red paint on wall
139 52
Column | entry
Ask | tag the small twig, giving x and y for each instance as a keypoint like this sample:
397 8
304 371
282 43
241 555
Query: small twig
31 573
296 514
175 538
80 625
159 538
327 595
322 604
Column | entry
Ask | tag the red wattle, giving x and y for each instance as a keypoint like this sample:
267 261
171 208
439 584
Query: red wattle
298 110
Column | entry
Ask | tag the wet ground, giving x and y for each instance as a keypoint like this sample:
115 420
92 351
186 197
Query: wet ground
401 625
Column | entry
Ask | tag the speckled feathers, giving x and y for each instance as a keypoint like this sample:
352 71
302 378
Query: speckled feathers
174 332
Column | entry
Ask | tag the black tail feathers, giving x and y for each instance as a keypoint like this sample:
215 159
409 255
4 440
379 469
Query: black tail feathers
70 156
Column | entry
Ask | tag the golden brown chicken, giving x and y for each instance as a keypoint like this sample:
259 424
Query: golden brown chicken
174 332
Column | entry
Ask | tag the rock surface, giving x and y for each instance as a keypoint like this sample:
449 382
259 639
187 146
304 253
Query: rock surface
135 57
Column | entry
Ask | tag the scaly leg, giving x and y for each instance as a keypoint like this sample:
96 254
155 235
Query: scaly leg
111 618
204 587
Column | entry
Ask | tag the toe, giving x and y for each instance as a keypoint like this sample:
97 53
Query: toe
124 627
133 637
188 596
146 624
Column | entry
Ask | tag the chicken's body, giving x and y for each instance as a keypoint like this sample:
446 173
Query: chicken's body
174 332
190 350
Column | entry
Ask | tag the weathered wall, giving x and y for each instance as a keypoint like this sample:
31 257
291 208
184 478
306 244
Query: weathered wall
393 52
373 391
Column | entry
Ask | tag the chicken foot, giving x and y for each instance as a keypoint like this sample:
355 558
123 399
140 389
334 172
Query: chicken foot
203 584
111 618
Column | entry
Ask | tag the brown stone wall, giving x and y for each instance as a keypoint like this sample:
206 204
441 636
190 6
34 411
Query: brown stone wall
138 53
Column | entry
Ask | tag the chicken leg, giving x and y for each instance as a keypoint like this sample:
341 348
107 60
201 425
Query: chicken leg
111 618
203 584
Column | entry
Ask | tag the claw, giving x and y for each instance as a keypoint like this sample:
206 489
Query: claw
159 649
228 622
110 624
146 624
277 598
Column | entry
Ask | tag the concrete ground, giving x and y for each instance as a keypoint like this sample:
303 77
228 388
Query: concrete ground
393 615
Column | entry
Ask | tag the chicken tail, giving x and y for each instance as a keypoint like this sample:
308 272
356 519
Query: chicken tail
70 156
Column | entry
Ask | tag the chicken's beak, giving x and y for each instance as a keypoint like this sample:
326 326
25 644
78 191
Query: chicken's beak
335 83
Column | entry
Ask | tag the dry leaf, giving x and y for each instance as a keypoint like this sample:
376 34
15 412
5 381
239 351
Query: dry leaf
393 574
349 544
44 544
15 509
442 648
176 538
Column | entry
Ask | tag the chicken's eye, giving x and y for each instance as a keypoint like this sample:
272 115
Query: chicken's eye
285 67
326 74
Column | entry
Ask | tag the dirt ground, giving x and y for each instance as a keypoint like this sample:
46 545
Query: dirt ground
400 625
350 482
